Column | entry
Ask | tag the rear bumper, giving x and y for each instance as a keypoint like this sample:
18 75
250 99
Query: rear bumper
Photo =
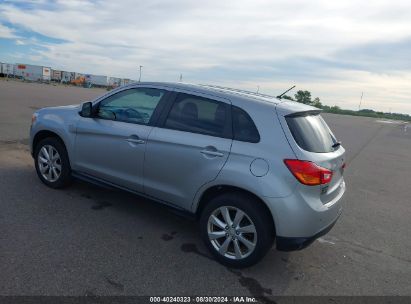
301 218
298 243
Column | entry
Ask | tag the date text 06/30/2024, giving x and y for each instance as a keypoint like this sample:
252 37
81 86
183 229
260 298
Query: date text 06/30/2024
203 299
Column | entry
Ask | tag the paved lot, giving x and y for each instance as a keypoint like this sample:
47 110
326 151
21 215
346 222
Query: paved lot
88 240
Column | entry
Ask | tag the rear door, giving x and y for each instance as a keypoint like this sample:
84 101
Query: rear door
311 139
111 145
188 149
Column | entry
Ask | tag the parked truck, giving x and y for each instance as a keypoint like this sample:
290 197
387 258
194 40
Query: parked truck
6 70
56 75
67 77
32 72
46 74
114 82
80 80
97 80
125 81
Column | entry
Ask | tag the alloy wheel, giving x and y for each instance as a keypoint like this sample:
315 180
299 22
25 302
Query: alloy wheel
49 162
231 232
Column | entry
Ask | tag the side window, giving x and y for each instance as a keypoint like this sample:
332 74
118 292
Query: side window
133 105
244 127
198 115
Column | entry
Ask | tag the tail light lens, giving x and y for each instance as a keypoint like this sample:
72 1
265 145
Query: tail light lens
308 173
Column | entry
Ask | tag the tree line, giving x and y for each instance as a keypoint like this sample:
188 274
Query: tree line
305 98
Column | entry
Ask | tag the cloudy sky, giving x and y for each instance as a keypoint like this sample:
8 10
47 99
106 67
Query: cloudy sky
335 49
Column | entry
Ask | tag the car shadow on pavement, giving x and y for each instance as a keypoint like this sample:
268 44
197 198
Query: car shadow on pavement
187 232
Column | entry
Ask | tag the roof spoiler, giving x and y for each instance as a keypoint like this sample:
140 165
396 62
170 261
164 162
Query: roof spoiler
304 113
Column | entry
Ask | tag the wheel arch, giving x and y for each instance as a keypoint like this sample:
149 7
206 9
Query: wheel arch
45 134
217 190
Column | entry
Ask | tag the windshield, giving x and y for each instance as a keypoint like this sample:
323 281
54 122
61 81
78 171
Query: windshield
312 133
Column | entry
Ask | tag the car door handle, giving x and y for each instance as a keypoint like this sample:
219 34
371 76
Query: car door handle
211 153
135 140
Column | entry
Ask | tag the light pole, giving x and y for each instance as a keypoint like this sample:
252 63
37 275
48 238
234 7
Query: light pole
139 78
359 106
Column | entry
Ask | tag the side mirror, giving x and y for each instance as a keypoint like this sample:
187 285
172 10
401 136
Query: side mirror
86 109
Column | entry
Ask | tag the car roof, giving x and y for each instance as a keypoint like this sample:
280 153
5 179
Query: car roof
215 90
285 107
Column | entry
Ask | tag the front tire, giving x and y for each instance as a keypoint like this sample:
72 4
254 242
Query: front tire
237 229
52 163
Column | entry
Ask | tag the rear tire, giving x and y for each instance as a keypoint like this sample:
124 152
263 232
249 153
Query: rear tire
52 163
237 229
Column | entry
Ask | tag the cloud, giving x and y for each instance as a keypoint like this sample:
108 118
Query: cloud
6 32
379 56
325 46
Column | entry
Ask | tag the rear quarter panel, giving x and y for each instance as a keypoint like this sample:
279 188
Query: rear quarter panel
272 149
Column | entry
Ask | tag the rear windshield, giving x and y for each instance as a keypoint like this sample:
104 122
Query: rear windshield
312 133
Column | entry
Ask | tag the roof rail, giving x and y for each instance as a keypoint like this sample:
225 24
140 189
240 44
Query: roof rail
237 90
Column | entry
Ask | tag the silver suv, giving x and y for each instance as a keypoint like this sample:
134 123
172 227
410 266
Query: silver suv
253 169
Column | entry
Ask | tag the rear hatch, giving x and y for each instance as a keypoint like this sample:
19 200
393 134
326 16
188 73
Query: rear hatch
312 140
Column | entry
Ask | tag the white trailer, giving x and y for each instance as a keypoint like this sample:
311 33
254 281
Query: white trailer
56 75
32 72
7 69
97 80
114 82
66 77
46 74
125 81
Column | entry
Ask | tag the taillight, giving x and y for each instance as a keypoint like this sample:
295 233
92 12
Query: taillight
308 173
